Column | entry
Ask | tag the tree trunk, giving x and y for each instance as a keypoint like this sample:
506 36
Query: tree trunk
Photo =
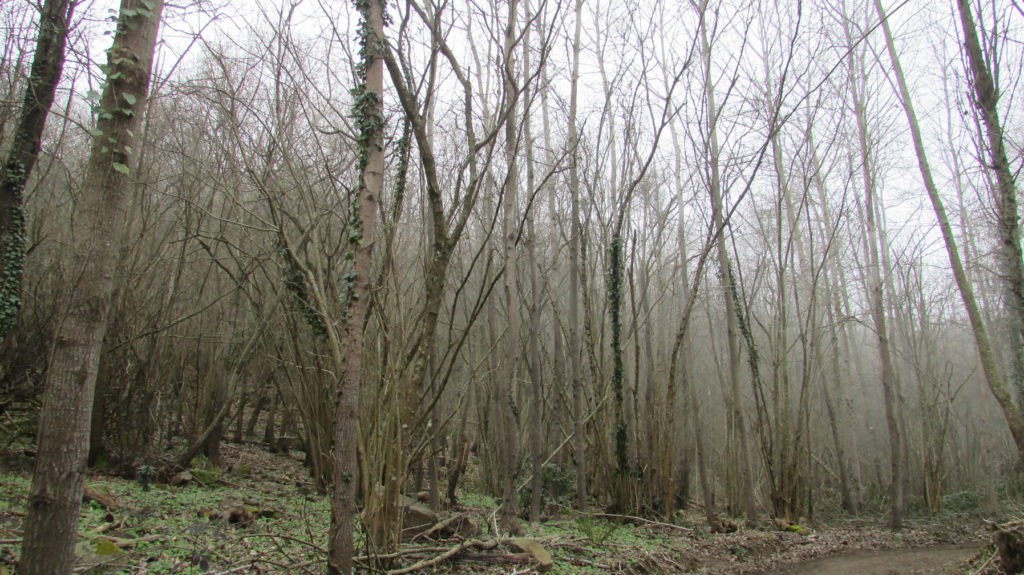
369 114
874 294
986 97
509 457
830 281
989 365
250 426
63 441
47 65
575 335
536 369
270 429
738 421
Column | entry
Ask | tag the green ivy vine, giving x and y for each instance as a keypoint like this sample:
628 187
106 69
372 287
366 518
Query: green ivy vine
370 124
12 254
295 282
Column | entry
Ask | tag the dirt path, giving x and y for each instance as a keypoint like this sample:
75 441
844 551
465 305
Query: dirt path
933 560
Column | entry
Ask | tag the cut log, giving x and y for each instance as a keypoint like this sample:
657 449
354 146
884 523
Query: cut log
458 525
417 520
719 525
536 550
109 502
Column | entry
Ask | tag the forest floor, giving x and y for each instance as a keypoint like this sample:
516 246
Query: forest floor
260 514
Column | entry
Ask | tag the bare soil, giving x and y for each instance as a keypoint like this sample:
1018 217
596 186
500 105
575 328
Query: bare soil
945 560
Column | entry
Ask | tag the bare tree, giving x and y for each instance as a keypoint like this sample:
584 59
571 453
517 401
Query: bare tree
872 240
993 374
575 335
737 418
986 98
536 301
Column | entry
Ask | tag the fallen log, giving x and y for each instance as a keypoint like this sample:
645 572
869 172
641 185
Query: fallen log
534 550
457 525
471 544
530 552
109 502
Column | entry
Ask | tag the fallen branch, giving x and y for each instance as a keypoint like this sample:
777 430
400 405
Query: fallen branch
288 538
516 558
646 522
400 553
123 543
585 563
986 563
109 502
109 526
239 569
471 544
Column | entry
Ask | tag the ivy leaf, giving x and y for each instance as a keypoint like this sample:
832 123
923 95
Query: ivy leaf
130 98
92 95
121 168
95 132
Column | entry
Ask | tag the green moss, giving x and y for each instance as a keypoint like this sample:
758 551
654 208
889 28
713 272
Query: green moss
106 548
206 476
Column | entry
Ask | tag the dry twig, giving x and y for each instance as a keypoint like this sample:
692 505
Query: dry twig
452 552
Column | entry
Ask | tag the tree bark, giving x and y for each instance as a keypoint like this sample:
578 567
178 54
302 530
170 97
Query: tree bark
47 65
63 441
509 457
369 114
575 335
536 371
